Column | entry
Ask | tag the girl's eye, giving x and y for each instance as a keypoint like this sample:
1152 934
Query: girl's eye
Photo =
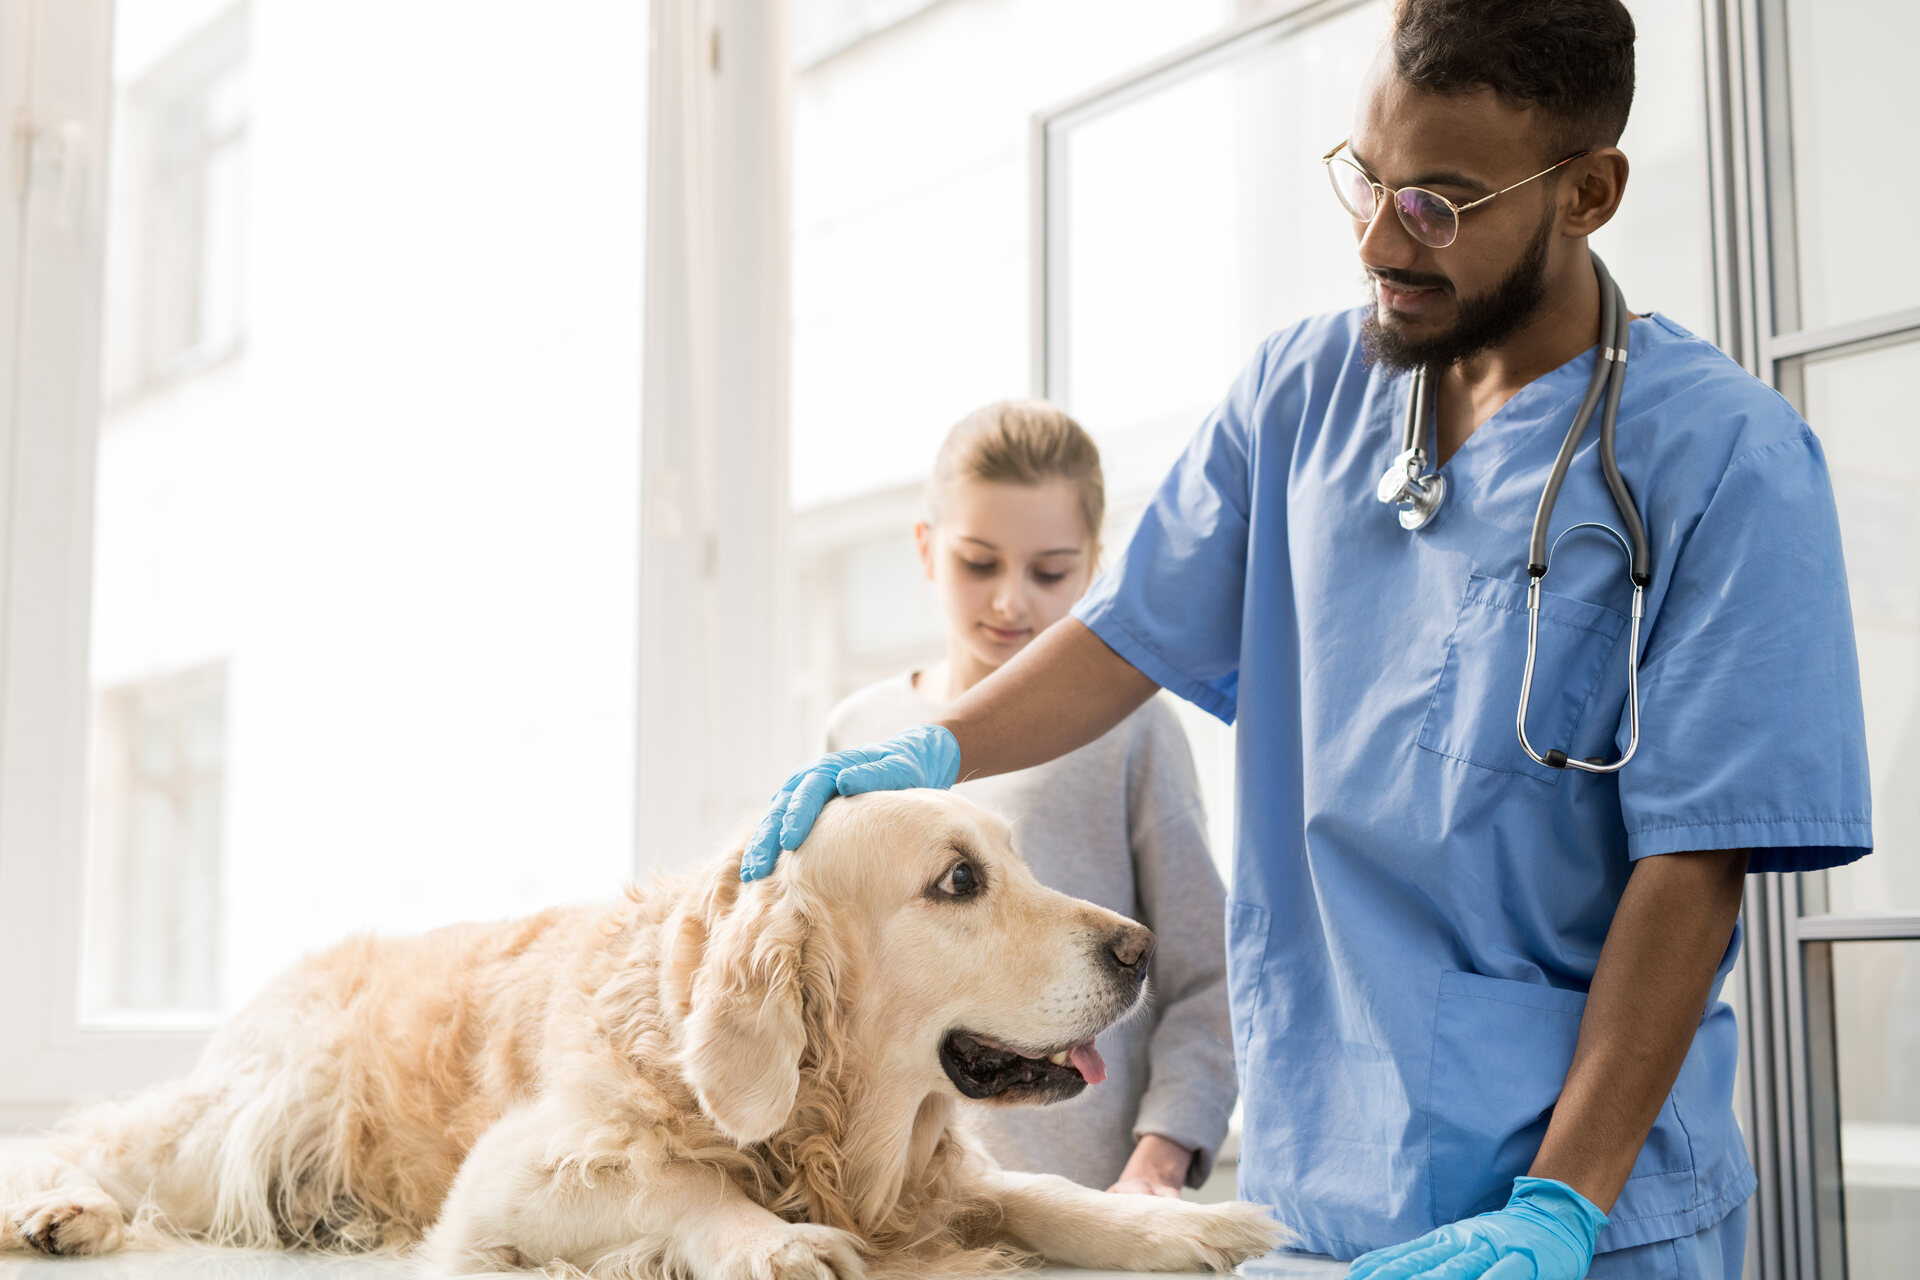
981 567
961 881
1048 579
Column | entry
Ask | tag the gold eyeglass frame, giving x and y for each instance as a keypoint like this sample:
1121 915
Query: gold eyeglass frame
1384 195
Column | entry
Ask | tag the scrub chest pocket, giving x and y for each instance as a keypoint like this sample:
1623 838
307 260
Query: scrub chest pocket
1476 703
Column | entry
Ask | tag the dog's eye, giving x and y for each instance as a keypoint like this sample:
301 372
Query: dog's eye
961 881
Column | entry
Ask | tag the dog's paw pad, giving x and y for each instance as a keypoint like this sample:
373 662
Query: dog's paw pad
71 1224
802 1252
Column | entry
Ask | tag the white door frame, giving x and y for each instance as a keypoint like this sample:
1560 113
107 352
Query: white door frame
58 87
715 696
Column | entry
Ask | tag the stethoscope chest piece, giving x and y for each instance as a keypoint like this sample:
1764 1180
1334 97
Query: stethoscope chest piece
1418 496
1408 484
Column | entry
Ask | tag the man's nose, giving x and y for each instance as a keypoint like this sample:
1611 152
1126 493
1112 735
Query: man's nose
1386 243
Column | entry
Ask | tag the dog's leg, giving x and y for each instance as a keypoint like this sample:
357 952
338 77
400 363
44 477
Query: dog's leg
533 1192
50 1204
150 1159
1066 1222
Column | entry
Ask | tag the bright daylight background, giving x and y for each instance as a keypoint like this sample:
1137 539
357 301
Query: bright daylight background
366 575
366 563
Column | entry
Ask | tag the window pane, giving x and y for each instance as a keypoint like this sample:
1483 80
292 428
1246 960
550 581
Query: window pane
1660 245
366 546
1850 64
1854 403
1197 220
910 213
1876 1000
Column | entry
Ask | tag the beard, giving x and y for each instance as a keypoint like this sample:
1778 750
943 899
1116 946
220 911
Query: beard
1482 323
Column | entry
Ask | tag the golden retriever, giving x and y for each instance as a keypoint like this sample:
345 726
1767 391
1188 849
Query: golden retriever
709 1080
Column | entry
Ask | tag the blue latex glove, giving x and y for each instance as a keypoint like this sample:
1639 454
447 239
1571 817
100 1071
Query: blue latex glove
923 756
1546 1232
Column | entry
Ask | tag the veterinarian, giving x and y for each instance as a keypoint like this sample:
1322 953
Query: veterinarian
1475 997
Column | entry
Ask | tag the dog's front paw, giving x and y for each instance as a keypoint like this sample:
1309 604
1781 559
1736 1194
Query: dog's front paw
1235 1232
70 1220
1178 1235
796 1251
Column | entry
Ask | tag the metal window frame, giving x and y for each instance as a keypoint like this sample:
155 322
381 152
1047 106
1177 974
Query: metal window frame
1785 1092
1047 193
1802 1222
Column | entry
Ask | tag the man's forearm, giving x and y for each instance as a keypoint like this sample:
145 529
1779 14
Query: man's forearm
1059 693
1649 991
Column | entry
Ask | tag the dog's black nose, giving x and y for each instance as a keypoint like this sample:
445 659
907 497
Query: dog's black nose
1131 948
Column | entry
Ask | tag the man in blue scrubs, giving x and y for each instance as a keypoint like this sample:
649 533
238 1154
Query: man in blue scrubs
1475 1000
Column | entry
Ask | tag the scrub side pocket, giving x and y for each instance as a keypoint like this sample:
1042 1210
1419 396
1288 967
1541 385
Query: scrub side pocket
1501 1051
1472 714
1247 927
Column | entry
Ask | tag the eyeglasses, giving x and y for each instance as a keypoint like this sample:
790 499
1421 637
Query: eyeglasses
1429 217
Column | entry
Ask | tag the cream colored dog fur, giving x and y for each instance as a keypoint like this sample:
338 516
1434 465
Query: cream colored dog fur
707 1080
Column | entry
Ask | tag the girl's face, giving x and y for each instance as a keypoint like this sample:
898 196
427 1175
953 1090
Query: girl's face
1008 561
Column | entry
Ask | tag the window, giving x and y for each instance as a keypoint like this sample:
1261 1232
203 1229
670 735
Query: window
153 928
179 203
365 590
911 259
1844 60
1840 339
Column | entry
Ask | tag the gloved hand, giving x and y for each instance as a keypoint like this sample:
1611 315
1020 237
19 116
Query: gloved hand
923 756
1546 1232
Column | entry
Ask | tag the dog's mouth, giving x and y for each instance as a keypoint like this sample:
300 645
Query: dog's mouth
992 1070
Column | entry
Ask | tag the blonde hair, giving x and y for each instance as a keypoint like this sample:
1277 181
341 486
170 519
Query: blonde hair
1021 442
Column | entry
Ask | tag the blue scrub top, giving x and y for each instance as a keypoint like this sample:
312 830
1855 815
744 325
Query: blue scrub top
1417 907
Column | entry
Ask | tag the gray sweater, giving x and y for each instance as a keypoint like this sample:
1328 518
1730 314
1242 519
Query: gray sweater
1119 823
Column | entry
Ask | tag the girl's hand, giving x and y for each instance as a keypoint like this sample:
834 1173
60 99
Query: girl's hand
1158 1167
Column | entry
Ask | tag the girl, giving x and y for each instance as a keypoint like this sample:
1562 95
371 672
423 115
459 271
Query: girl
1010 542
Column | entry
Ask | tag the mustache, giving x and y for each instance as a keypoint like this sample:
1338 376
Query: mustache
1408 280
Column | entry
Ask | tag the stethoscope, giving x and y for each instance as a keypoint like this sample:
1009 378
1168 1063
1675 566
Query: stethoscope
1419 493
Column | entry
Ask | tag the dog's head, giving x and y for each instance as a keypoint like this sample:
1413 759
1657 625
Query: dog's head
907 931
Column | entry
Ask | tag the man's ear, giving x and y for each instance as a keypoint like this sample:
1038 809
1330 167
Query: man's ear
744 1030
1596 189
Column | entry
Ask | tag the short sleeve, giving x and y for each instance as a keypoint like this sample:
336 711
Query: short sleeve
1171 605
1752 730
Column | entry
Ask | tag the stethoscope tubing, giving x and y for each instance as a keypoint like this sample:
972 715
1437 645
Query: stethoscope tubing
1554 758
1419 496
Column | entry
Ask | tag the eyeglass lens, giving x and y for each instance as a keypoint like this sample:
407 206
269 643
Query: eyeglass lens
1426 216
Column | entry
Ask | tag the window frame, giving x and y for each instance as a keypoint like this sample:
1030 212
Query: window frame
53 346
156 179
1802 1223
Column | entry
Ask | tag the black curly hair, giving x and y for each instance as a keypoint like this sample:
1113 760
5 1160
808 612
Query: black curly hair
1571 60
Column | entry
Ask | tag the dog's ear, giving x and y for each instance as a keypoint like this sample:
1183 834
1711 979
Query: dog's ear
744 1030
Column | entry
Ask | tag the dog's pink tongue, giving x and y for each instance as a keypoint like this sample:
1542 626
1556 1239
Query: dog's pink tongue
1087 1061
